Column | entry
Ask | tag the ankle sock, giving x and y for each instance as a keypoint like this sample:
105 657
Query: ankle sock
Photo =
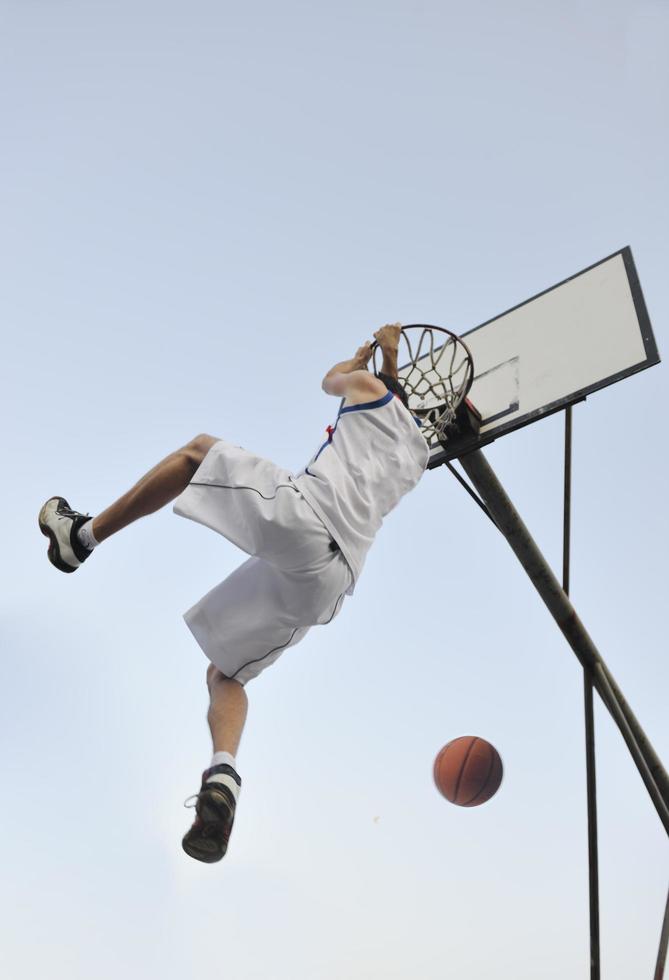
229 779
223 759
85 535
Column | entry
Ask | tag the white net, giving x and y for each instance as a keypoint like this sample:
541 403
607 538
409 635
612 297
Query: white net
437 374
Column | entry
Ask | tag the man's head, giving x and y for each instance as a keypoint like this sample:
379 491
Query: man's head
392 384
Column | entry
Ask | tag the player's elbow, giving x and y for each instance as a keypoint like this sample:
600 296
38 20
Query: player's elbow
334 384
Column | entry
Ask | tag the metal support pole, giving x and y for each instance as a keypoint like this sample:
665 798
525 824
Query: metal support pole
566 524
593 849
590 769
601 682
510 523
664 942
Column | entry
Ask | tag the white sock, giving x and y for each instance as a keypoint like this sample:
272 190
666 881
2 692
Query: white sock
223 759
232 783
85 535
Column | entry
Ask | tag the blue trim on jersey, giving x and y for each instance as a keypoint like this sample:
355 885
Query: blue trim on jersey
376 404
324 446
356 408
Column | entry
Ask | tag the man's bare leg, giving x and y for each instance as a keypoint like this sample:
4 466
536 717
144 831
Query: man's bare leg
228 705
207 840
155 489
72 535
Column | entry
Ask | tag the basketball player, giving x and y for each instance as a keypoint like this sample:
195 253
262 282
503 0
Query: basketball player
307 535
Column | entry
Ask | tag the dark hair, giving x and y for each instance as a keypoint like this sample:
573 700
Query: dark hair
392 384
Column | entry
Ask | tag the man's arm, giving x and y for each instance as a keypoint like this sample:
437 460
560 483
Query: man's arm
388 339
357 363
354 386
351 379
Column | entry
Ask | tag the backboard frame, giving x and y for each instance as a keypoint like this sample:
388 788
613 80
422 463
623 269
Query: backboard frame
442 454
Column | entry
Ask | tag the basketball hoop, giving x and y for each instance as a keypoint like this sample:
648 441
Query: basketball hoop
438 385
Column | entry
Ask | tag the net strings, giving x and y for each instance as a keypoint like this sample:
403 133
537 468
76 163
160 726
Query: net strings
436 379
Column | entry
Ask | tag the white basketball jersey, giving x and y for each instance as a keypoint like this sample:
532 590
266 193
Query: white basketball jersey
374 454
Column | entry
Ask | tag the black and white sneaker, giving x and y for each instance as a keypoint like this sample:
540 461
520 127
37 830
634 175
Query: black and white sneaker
207 840
60 524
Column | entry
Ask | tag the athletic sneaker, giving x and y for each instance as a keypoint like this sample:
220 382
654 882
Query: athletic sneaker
59 523
207 840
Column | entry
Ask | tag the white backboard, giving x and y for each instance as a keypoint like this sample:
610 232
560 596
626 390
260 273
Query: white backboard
556 348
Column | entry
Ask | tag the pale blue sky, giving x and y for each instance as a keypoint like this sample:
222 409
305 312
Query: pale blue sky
204 206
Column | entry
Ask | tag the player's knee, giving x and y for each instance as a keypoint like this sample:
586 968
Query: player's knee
197 448
214 675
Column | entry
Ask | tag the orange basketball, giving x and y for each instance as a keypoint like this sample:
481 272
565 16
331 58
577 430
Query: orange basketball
468 770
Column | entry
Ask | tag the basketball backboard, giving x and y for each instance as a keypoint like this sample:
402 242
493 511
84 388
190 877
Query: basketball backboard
556 348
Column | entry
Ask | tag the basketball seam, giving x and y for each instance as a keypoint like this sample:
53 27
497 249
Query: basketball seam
485 782
462 769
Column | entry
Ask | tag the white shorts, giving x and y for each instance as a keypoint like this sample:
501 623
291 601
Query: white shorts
295 579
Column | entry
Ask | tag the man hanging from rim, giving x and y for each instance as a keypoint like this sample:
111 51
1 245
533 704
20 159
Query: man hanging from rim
307 536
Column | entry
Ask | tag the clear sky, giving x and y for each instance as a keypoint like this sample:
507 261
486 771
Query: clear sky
204 205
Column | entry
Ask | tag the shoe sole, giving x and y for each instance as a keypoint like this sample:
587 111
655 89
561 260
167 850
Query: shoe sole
53 551
214 816
206 857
